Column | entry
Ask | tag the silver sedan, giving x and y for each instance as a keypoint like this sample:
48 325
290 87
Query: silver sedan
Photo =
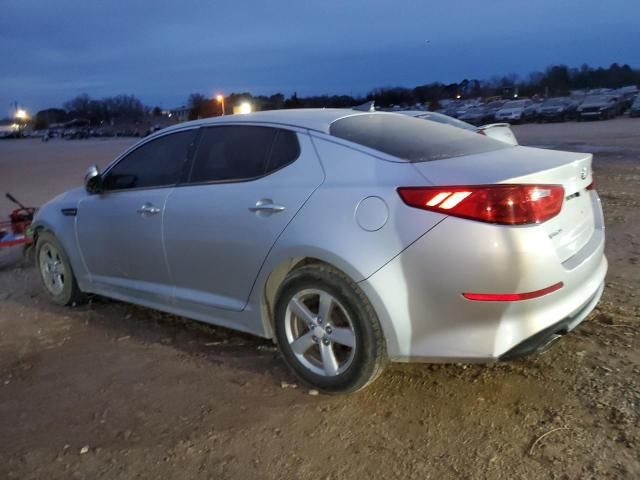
349 238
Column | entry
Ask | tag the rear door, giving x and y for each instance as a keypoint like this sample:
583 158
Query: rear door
245 185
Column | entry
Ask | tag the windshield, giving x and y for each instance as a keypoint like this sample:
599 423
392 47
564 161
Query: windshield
516 104
597 99
411 139
555 102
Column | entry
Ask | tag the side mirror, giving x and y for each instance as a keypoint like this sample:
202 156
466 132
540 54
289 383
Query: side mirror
93 180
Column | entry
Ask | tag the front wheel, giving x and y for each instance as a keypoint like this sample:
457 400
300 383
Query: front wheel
55 271
327 330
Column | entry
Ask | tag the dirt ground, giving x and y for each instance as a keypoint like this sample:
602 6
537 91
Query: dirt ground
110 390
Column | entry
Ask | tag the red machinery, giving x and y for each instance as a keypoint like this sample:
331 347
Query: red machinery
14 231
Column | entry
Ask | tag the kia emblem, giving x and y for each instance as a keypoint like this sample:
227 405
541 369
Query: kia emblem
583 173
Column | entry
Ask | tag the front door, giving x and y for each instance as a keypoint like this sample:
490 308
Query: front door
120 229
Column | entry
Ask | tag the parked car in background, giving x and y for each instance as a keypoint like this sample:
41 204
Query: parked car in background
572 107
628 95
450 110
554 109
634 111
497 131
465 106
600 107
622 104
476 116
153 129
492 107
512 111
530 113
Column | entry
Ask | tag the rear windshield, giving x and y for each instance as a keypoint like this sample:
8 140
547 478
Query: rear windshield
412 139
446 120
597 99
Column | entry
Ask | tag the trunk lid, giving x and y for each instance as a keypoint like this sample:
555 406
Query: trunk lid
572 228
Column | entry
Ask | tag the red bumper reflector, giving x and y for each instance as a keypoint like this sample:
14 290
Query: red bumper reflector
511 297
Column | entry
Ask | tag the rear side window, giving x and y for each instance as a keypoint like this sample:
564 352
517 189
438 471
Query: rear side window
235 153
157 163
411 139
284 151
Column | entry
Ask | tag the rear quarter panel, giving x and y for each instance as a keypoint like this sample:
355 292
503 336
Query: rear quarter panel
329 224
328 227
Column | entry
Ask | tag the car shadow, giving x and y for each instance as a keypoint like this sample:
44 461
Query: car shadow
122 321
194 340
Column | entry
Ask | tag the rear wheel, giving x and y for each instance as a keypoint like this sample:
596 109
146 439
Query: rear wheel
55 271
327 330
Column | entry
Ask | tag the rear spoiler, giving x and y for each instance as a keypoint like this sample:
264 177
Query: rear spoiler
366 107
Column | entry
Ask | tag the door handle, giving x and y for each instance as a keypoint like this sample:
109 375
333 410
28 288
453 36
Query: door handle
148 209
266 205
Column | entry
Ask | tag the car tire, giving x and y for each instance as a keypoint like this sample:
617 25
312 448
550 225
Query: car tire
341 353
55 271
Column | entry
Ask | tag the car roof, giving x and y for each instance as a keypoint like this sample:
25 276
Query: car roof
318 119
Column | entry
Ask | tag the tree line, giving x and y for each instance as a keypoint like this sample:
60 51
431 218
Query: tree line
556 80
109 110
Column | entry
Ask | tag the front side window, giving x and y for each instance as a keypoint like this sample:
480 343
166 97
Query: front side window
157 163
238 152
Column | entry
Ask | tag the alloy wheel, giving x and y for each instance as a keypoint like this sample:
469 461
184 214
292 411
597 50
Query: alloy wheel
320 332
52 269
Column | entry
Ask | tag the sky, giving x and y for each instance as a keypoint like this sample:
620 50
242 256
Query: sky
161 51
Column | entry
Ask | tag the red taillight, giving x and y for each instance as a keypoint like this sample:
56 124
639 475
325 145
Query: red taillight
511 297
592 185
505 204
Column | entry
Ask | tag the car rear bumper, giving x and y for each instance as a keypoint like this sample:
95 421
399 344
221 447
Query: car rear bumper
418 295
549 335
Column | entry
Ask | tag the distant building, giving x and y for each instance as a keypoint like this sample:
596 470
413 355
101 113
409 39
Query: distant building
9 130
180 114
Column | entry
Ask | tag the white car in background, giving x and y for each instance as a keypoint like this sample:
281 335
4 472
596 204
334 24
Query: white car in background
512 111
498 131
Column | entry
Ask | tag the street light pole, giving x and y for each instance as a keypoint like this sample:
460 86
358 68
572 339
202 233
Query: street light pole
220 99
